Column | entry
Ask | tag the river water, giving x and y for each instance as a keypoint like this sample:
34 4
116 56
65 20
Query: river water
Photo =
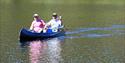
95 33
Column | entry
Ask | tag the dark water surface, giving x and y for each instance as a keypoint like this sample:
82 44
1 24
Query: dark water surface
95 32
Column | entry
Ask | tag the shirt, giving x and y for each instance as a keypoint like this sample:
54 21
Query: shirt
54 23
38 25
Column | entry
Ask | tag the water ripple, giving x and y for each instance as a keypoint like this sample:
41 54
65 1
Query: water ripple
79 30
114 29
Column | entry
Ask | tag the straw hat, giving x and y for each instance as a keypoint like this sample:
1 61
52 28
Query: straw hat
35 15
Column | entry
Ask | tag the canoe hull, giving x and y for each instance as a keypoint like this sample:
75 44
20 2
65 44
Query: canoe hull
29 35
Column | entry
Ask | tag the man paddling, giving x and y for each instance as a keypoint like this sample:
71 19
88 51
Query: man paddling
55 22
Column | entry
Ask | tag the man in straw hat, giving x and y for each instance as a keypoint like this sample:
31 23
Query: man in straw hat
55 22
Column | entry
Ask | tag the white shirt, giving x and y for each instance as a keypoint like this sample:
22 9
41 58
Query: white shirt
54 23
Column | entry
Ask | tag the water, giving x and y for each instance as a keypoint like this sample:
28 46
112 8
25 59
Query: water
44 51
95 32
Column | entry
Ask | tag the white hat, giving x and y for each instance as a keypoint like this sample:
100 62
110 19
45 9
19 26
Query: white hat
54 14
35 15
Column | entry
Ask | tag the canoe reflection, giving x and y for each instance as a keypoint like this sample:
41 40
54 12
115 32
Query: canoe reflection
46 51
54 50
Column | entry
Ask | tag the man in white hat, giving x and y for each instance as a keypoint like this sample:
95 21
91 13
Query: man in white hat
55 22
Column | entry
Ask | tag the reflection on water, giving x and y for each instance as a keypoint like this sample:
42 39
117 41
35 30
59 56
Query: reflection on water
36 49
54 50
45 51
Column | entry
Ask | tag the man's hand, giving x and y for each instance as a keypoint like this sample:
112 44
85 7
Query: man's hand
60 17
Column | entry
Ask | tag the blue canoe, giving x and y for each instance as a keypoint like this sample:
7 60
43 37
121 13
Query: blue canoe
26 34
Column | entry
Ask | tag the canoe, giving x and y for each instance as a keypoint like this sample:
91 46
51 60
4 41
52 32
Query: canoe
26 34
